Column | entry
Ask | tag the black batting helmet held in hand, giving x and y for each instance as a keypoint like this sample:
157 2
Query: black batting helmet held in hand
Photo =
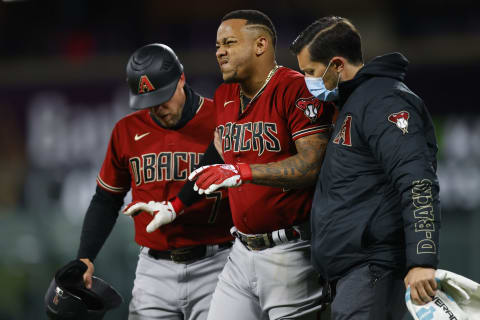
68 298
153 72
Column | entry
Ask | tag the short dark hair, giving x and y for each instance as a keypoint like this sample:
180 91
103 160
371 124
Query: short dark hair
328 37
254 17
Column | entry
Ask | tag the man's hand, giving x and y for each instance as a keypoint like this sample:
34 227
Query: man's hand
210 178
422 284
163 212
87 276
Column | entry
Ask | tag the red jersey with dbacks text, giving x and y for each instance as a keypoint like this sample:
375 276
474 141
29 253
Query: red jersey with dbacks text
282 112
155 163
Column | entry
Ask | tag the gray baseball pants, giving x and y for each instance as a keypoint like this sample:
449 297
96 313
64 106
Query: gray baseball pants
274 283
165 290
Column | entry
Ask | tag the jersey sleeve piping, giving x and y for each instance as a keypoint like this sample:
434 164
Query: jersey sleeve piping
202 100
309 131
110 188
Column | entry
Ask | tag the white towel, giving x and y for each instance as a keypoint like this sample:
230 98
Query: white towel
457 298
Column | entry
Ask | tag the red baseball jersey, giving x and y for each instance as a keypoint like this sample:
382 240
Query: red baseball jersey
282 112
155 163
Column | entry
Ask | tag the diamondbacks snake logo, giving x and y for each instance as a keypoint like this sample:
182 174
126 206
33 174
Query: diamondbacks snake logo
311 107
401 120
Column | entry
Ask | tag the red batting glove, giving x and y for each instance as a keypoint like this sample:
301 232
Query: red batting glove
213 177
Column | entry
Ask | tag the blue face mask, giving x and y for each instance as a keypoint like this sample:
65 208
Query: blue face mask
316 86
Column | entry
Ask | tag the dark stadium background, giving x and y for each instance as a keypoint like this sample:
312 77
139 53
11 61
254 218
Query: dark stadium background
62 87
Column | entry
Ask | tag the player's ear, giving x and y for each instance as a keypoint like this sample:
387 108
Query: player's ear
181 81
338 63
261 45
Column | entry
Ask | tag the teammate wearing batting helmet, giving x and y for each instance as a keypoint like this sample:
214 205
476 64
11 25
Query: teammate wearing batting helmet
151 153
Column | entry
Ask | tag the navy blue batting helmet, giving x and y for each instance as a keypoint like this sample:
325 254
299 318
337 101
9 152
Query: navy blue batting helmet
67 298
153 72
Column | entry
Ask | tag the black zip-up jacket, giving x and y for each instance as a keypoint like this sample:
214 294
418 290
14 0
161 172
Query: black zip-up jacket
376 199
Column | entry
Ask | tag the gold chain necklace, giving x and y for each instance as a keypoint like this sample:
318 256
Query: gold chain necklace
242 95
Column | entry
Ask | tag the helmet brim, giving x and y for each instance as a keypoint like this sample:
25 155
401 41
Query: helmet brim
153 98
110 296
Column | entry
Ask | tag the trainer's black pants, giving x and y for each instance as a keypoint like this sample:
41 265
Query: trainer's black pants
369 293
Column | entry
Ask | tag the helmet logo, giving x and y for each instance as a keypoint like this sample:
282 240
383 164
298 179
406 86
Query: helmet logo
145 85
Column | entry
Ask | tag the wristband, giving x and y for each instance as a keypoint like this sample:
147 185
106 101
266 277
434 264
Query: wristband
245 172
177 205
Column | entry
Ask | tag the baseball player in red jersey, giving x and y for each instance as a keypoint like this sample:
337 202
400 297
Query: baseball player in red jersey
152 151
273 135
262 135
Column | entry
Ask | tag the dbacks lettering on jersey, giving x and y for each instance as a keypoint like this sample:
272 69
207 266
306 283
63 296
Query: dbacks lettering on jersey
257 136
310 107
166 166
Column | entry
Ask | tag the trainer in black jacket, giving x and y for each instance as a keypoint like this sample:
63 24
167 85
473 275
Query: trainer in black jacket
377 194
376 213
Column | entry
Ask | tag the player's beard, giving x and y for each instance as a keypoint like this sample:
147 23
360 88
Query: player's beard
169 121
237 69
234 78
234 72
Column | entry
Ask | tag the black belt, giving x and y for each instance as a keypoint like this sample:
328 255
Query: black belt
267 240
186 254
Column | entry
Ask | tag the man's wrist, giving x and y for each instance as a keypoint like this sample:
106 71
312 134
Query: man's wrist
177 205
245 172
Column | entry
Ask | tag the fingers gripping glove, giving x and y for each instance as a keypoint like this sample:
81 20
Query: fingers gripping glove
163 212
457 298
213 177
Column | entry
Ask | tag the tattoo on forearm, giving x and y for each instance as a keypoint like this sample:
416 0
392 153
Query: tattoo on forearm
297 171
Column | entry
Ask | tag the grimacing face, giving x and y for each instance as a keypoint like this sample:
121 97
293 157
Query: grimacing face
317 69
235 50
169 113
